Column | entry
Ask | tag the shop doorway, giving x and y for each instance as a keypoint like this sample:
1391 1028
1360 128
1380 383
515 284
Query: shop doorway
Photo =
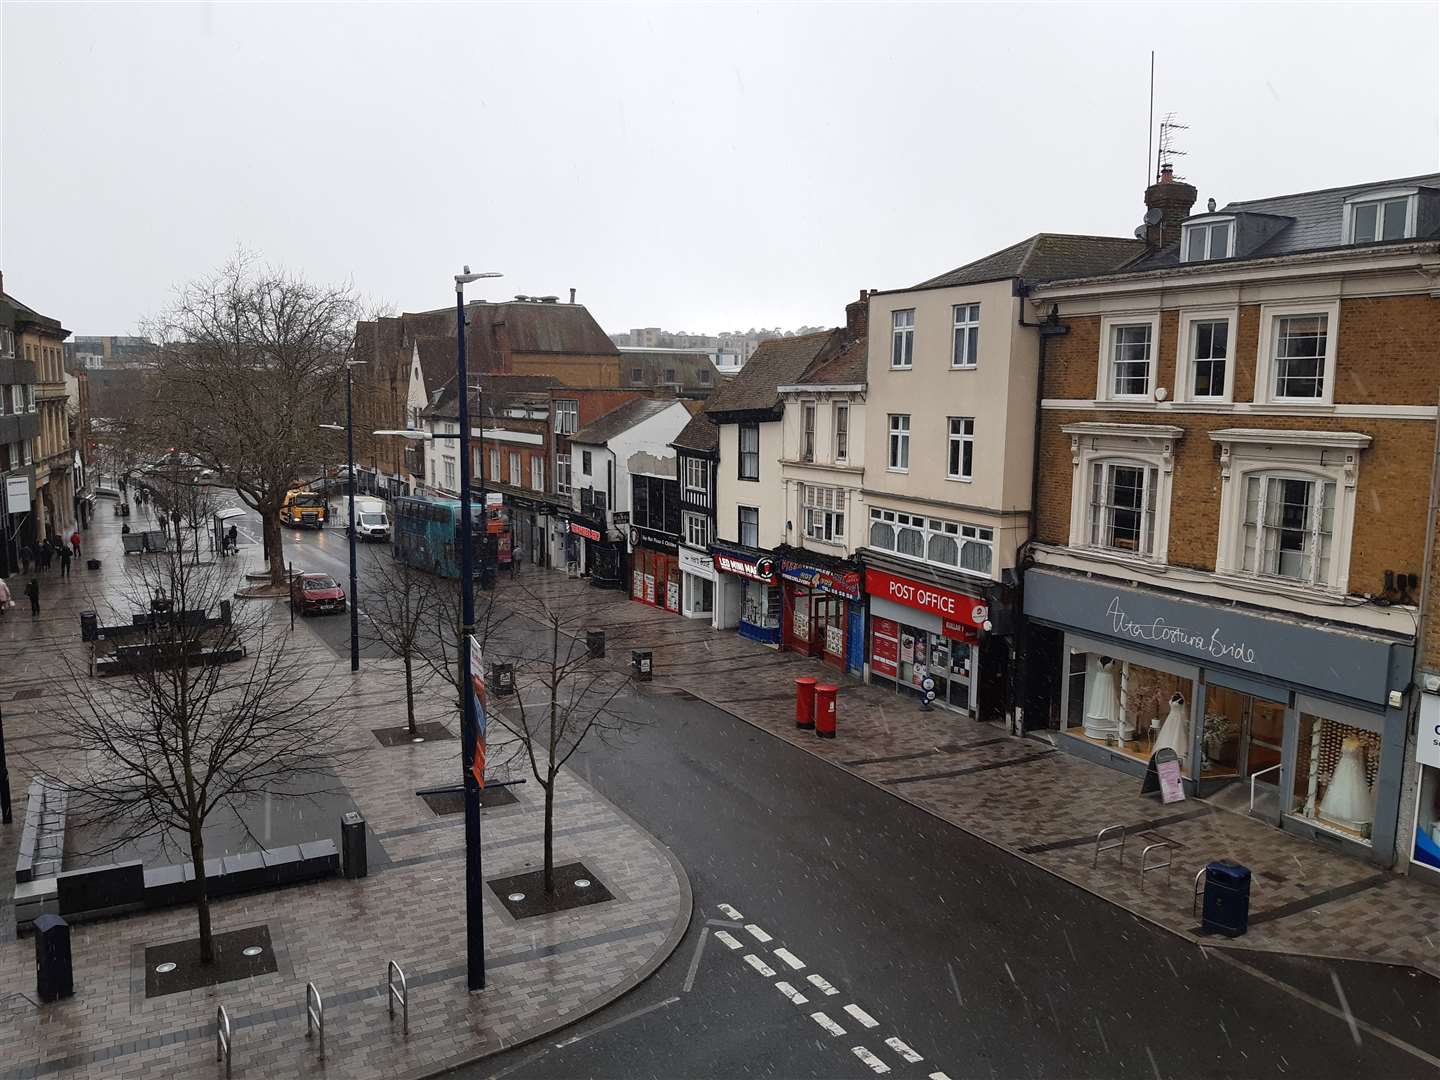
1242 736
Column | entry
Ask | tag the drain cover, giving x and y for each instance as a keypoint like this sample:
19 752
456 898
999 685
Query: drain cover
252 950
582 883
165 968
515 897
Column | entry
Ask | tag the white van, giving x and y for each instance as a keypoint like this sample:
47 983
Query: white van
372 521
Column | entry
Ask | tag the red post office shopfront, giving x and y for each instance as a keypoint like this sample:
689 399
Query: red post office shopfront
823 610
920 628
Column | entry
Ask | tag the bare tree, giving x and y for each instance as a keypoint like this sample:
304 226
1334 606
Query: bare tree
251 360
403 605
178 736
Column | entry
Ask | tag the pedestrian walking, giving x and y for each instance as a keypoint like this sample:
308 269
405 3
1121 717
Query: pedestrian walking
65 558
32 590
6 601
43 554
164 523
232 540
27 556
75 543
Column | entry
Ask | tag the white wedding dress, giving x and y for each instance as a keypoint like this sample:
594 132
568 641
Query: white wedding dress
1175 731
1347 799
1102 710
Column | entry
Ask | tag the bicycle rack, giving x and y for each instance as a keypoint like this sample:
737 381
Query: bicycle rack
223 1037
1103 845
315 1015
402 995
1146 865
1199 892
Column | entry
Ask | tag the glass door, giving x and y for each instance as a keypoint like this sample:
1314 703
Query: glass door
1242 735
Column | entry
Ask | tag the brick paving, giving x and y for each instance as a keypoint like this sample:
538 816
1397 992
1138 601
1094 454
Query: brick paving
1042 805
543 973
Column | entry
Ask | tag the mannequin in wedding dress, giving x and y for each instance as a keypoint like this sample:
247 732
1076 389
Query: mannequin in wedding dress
1175 729
1102 709
1347 799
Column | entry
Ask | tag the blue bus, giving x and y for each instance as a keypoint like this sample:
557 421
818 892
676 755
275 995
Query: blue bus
426 532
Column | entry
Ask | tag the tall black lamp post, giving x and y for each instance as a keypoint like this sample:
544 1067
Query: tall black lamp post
349 429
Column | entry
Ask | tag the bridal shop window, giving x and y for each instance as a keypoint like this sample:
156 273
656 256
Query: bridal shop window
1129 707
1335 768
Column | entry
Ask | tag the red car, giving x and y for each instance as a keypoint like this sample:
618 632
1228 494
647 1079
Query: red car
312 593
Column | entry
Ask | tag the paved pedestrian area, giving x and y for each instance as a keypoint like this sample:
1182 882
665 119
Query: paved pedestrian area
1040 804
543 973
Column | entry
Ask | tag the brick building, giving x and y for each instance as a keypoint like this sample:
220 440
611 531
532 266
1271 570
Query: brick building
1233 489
39 339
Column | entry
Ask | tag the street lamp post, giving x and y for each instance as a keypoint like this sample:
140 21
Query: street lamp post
349 429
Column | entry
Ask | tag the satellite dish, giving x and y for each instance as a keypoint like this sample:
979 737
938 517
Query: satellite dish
1153 216
1140 232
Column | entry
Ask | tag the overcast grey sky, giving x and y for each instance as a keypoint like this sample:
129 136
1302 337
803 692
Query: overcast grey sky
690 166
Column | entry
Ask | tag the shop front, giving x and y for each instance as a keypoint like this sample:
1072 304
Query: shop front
749 596
821 611
1426 850
919 628
697 584
592 554
654 570
1313 715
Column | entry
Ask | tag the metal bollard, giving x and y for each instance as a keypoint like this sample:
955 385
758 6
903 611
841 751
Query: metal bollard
315 1015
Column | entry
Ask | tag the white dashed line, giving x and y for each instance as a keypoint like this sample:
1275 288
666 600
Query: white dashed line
759 965
876 1065
820 983
727 939
730 913
904 1051
790 958
860 1014
825 1022
758 934
938 1076
790 992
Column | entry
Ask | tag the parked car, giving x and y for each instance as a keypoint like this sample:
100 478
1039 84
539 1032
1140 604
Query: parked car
316 594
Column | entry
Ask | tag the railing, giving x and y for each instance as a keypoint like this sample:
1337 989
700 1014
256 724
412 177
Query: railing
1103 845
1253 778
402 995
1199 892
222 1037
315 1015
1146 865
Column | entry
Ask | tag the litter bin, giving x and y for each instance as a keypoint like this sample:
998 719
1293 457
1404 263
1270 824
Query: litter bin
805 703
1226 909
352 845
825 710
89 626
643 661
54 975
595 643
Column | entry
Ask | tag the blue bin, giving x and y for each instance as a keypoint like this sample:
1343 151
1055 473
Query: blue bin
1227 898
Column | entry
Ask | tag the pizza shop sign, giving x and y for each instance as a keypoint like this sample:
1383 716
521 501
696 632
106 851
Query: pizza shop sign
951 606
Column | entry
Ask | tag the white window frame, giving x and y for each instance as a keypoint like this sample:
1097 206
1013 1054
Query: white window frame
902 339
742 454
822 513
809 425
962 533
964 327
1185 360
695 527
450 467
587 463
740 529
897 438
1366 198
696 480
958 438
1096 531
1270 314
537 472
567 416
495 464
841 432
515 476
1149 446
1330 456
1104 387
562 474
1206 224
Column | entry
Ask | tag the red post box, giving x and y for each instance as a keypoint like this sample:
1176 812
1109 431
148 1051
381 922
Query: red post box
825 695
805 703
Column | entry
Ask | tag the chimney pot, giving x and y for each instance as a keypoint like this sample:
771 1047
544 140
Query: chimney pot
1167 173
572 296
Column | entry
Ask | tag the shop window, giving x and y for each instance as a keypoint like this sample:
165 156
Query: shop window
760 605
1335 768
1130 708
701 593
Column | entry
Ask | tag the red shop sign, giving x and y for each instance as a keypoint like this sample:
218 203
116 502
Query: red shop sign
581 530
952 606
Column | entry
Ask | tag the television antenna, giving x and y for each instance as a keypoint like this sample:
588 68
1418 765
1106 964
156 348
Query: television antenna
1167 153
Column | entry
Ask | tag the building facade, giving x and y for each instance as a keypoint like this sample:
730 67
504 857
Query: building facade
19 428
697 454
40 340
1236 468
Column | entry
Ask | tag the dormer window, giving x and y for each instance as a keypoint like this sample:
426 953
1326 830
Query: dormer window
1379 216
1211 238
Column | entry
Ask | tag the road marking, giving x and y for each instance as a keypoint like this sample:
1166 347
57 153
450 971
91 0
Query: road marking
758 934
860 1014
722 922
825 1022
938 1076
695 961
904 1051
790 958
791 993
876 1065
759 965
730 913
617 1021
727 939
820 983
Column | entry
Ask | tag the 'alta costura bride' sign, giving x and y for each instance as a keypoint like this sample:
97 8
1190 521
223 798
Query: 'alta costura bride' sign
1210 644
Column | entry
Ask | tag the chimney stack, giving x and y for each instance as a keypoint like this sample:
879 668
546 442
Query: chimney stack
857 316
1173 199
572 296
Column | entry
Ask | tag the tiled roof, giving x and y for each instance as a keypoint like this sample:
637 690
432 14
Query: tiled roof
845 368
600 431
699 434
497 389
777 362
25 313
1044 257
438 358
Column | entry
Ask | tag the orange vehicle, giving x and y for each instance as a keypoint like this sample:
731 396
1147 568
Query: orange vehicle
303 509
